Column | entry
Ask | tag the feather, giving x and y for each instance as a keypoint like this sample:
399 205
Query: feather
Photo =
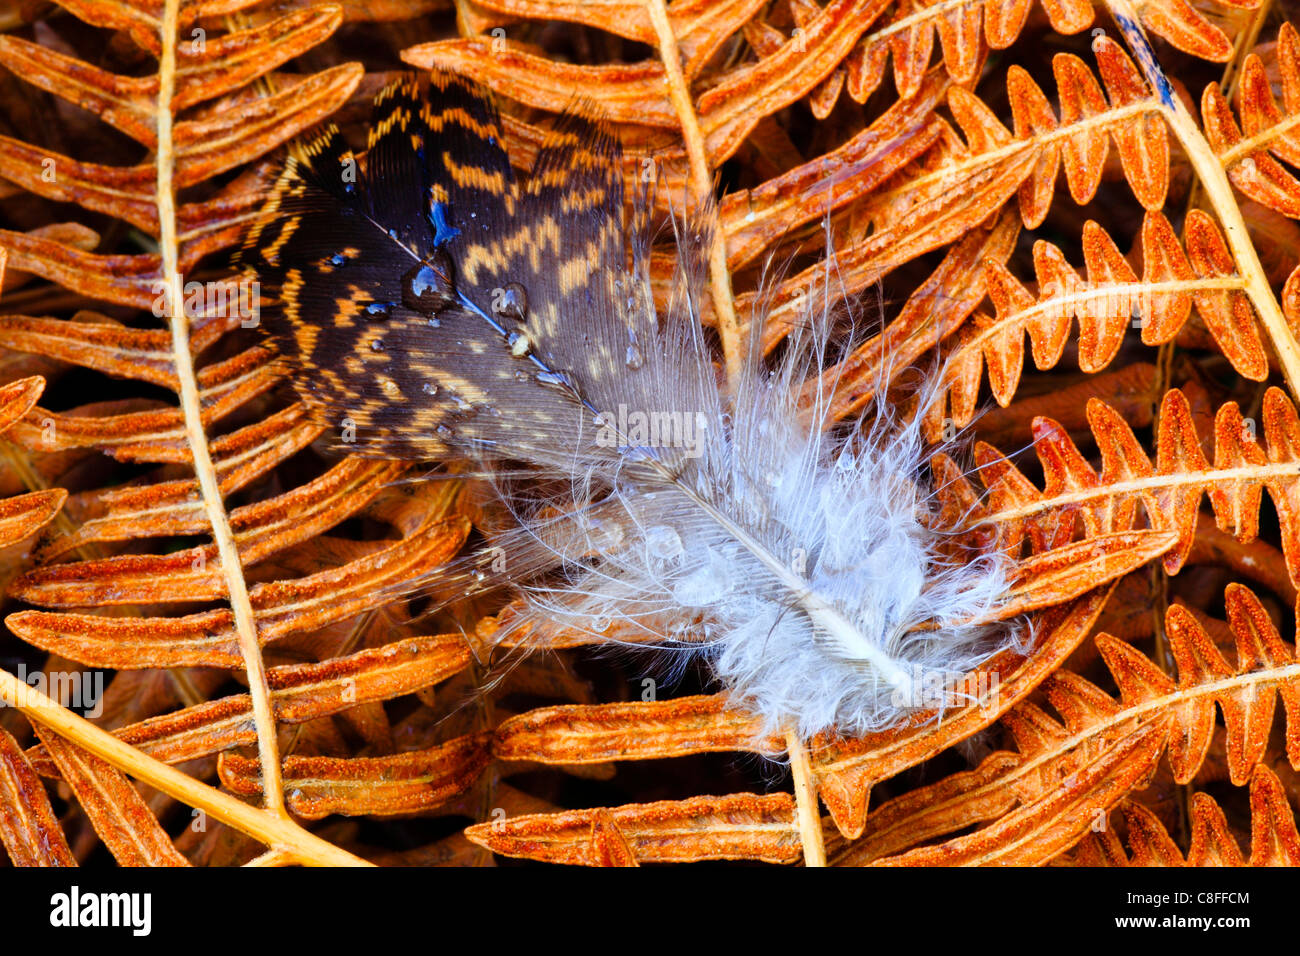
432 306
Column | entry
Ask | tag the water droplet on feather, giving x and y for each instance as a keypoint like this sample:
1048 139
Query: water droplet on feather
663 542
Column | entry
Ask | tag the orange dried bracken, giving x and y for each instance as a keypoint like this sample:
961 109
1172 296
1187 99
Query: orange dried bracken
941 190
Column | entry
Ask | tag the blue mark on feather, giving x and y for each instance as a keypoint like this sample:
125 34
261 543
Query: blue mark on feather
443 231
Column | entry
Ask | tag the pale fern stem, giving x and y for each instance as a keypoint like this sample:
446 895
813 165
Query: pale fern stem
1252 144
1054 305
272 857
1119 490
679 94
245 621
1214 180
996 157
805 802
810 831
1244 43
279 833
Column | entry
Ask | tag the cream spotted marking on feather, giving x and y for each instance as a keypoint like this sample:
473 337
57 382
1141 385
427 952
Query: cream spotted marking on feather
445 308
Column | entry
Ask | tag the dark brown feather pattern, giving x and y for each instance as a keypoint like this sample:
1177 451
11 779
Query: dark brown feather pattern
341 241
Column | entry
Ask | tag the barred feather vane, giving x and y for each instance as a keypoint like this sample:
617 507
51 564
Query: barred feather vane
433 306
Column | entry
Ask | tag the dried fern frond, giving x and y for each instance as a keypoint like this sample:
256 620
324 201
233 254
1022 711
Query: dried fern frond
1274 839
175 524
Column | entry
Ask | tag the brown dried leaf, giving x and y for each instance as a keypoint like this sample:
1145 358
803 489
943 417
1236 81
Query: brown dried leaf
282 608
633 731
1274 838
738 827
845 770
1170 491
115 808
300 692
28 827
1036 832
412 782
23 515
194 574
